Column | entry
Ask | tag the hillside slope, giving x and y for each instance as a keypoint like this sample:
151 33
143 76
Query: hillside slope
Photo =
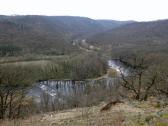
111 24
145 35
135 33
130 113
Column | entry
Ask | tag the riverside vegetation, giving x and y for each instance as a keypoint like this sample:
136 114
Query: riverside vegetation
146 83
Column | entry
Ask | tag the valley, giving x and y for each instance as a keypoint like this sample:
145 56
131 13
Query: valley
62 70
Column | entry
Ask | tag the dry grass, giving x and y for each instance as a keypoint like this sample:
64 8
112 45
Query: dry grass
124 114
32 59
30 63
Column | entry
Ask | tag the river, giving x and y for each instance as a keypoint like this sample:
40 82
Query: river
63 88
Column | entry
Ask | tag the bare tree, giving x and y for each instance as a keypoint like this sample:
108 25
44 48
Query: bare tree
141 78
13 83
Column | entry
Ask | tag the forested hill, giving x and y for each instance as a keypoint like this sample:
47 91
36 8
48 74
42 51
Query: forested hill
135 33
111 24
45 34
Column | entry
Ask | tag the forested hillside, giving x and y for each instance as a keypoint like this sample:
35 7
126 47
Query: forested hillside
111 24
45 34
149 36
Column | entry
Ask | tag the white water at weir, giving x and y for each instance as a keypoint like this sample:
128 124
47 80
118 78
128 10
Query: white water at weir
118 66
60 88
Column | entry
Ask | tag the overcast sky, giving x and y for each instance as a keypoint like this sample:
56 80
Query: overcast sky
140 10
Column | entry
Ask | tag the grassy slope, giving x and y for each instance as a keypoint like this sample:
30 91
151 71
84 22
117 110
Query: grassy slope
130 113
